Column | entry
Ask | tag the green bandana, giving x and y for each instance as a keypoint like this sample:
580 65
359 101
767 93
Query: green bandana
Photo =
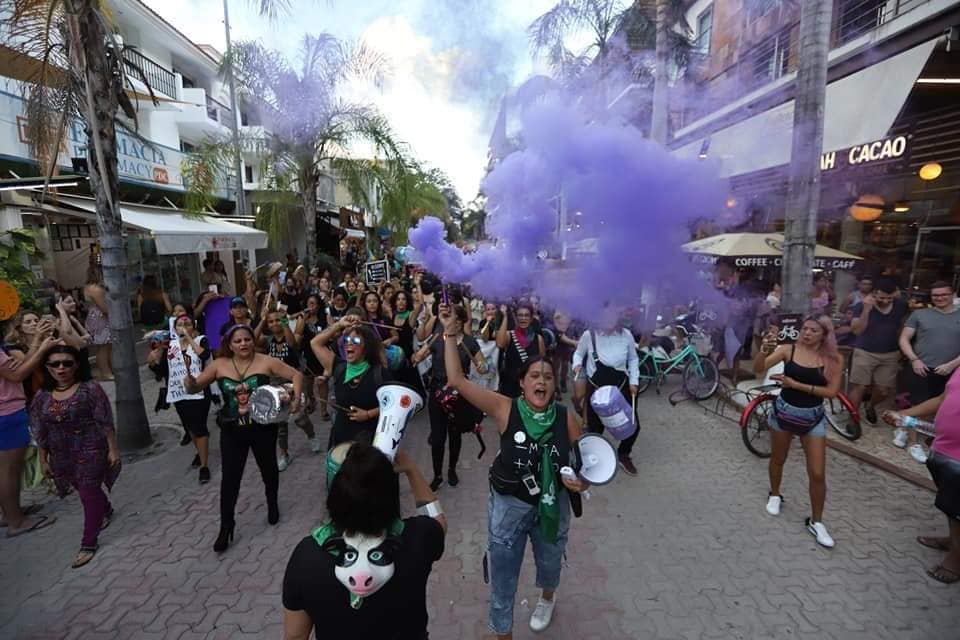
324 532
538 426
354 371
403 315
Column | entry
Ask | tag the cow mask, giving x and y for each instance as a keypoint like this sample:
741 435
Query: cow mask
364 564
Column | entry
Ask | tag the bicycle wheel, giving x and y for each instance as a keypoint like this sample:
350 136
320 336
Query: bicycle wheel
646 376
701 381
755 426
843 418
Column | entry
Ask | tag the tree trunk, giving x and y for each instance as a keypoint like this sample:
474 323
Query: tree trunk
803 193
133 428
308 198
661 83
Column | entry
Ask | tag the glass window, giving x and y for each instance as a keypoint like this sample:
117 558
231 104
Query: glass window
704 27
772 57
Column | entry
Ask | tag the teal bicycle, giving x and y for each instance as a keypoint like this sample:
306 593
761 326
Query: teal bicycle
701 378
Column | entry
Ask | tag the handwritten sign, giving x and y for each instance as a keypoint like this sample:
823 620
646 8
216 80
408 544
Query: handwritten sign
377 271
176 385
789 328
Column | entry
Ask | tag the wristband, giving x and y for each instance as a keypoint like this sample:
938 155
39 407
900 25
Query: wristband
432 509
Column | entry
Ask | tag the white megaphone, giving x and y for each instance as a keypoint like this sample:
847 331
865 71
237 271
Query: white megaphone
398 403
598 459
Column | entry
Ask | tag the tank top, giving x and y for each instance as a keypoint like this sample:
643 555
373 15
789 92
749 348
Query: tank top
234 408
805 376
281 350
152 311
520 454
360 393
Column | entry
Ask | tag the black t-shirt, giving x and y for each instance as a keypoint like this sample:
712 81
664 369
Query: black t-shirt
360 392
398 611
468 349
883 329
310 331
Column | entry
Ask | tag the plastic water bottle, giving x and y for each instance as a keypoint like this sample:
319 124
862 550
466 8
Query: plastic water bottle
910 422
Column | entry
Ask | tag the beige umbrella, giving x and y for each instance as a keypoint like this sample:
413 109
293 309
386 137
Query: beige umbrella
762 250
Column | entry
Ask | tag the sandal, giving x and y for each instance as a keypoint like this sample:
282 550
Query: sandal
941 574
934 543
41 523
84 556
28 510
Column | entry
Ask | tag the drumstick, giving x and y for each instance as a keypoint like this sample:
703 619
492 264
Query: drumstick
376 324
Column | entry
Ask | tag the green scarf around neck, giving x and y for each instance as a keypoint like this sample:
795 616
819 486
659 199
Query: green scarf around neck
326 531
403 315
355 370
538 426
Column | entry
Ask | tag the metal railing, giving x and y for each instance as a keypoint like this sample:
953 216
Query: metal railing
160 79
778 54
218 112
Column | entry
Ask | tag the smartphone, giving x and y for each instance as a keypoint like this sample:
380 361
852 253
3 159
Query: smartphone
212 288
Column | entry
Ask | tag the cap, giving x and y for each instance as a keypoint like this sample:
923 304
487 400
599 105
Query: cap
237 301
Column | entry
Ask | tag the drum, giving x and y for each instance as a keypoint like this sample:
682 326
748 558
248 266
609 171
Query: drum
614 412
335 458
271 403
398 403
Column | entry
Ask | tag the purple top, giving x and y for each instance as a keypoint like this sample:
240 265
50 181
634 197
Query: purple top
74 431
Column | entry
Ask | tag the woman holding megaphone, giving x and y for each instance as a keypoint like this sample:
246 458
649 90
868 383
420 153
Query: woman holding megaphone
526 489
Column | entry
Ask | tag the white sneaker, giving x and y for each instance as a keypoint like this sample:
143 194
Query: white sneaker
917 453
315 445
900 438
543 614
773 505
283 461
820 533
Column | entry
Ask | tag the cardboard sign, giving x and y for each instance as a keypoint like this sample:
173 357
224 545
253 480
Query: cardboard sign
216 314
176 384
376 271
790 324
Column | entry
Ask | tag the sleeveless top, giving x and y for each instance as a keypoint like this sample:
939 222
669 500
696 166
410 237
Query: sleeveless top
520 454
361 393
153 312
233 410
281 350
805 376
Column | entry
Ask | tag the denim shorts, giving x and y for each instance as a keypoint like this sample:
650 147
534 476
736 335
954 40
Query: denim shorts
802 413
14 433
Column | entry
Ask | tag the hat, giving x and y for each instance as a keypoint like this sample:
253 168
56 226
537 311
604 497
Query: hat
274 269
237 301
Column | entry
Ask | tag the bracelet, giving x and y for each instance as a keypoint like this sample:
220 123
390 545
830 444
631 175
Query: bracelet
449 335
432 509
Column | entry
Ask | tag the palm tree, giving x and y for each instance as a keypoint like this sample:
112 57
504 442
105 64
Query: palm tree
618 28
408 195
309 130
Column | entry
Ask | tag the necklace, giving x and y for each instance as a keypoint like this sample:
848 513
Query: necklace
242 375
64 387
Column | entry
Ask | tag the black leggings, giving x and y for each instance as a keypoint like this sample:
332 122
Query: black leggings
193 415
235 442
440 425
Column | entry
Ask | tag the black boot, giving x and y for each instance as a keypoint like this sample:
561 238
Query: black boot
273 511
224 538
452 478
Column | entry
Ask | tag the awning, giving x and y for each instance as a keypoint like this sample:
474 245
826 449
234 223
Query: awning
762 250
860 108
174 232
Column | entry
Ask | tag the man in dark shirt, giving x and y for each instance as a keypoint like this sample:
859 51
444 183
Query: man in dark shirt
364 574
877 320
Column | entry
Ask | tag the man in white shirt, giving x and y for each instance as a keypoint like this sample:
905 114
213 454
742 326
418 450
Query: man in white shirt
611 359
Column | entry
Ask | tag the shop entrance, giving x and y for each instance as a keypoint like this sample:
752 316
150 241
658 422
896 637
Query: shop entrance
936 257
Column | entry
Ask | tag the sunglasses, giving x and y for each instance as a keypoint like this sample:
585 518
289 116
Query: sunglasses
61 364
353 340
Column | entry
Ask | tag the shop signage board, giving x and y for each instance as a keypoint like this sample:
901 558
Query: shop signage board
895 150
830 264
377 271
137 161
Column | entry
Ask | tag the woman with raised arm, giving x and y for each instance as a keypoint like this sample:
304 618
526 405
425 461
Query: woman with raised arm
517 346
98 325
812 372
239 370
355 378
72 331
526 499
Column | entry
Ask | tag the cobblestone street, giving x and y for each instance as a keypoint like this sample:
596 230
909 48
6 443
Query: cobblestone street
685 550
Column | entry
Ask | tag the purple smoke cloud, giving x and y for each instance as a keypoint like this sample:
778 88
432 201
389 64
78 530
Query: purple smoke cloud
626 196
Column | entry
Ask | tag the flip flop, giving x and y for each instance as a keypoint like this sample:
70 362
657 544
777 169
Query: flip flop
941 574
41 523
28 510
933 543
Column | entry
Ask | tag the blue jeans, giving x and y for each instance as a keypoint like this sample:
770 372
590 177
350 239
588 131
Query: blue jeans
510 521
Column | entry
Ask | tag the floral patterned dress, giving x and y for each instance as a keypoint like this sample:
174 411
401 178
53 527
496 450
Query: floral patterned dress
74 431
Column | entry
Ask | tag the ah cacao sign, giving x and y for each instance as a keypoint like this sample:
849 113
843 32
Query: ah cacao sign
894 150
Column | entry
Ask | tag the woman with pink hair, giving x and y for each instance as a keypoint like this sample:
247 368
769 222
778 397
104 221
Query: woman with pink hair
812 371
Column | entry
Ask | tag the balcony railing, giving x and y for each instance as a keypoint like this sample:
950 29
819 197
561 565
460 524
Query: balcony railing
160 79
218 112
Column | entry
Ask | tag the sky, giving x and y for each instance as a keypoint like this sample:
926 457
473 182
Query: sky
451 61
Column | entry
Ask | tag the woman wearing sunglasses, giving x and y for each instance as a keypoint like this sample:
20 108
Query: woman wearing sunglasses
72 422
356 378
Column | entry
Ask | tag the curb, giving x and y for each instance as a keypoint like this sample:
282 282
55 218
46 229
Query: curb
921 481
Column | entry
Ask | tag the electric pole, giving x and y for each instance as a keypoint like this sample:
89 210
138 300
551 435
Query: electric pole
803 190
